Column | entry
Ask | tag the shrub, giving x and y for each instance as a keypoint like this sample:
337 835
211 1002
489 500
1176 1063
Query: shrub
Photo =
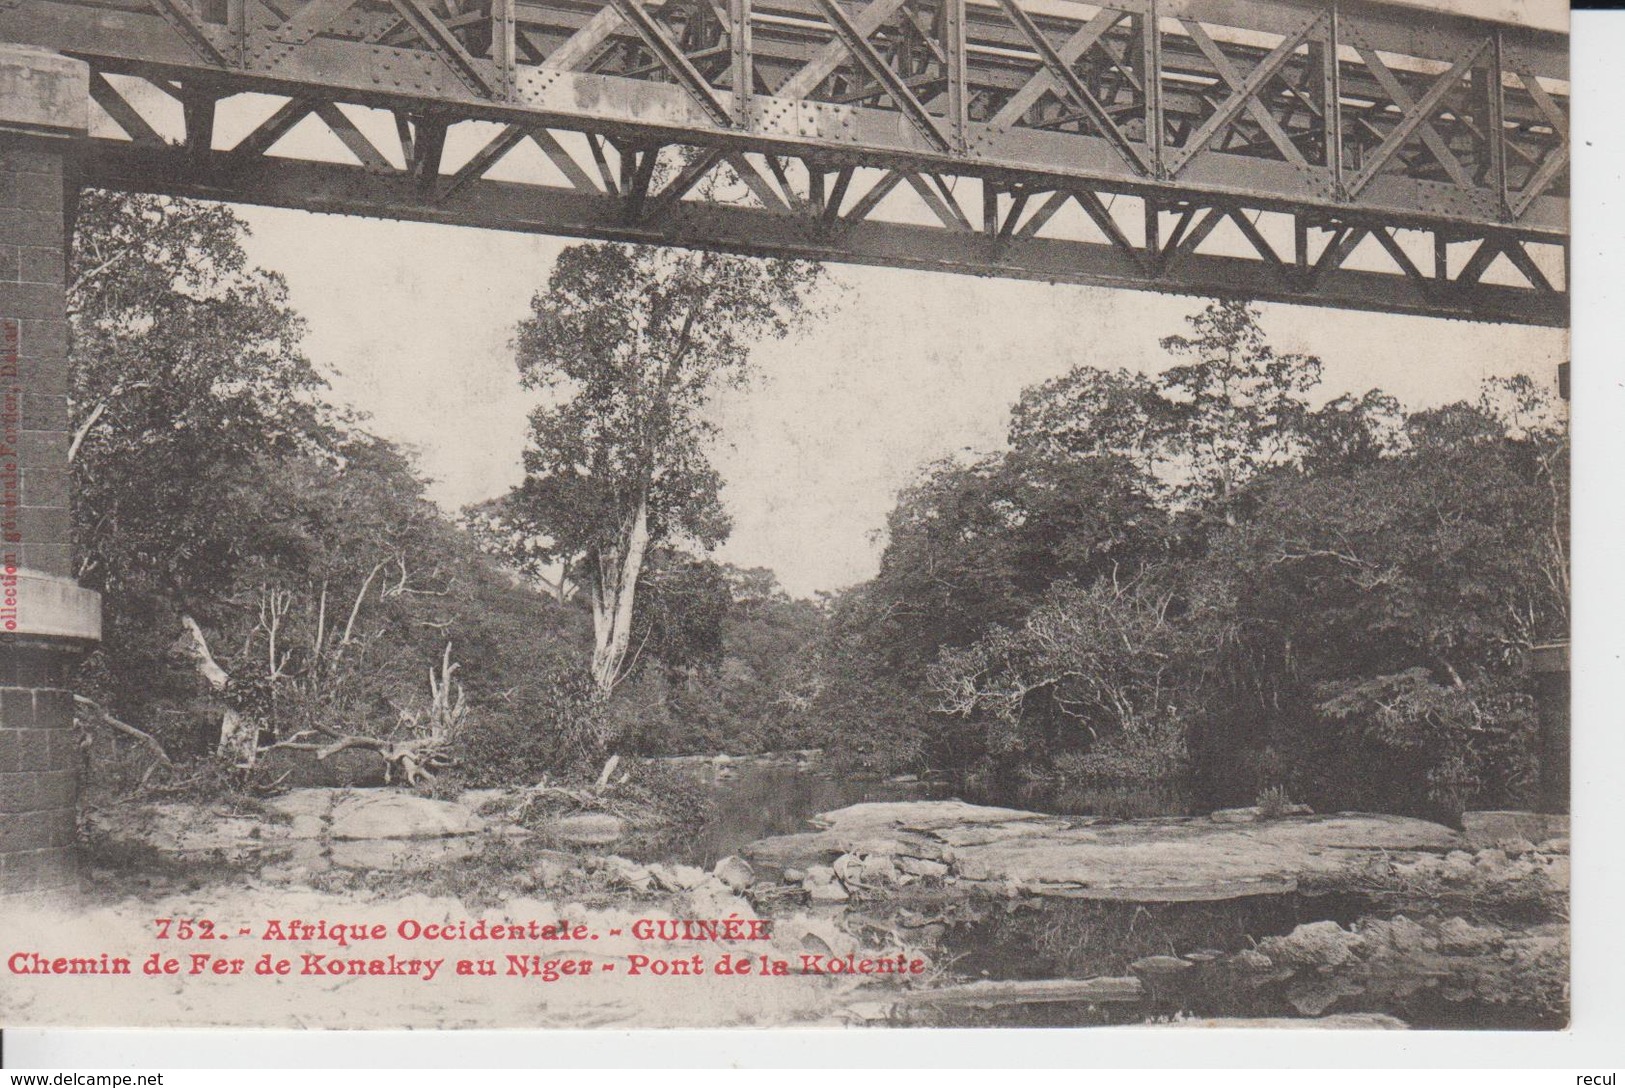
1454 745
1273 802
1145 752
670 798
553 723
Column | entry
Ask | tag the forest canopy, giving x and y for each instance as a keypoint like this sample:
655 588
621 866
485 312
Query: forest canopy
1201 582
1193 586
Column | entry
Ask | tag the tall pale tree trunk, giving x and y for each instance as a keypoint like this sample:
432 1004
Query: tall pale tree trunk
612 593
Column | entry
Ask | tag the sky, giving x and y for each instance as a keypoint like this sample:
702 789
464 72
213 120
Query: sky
413 322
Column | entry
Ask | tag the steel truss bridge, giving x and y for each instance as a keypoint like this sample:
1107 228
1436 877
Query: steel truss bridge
1352 154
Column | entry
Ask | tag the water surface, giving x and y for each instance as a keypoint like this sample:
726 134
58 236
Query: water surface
759 798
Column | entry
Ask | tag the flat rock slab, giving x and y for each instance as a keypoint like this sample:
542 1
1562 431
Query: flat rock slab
305 831
387 815
401 855
313 803
879 817
300 769
1176 859
373 814
185 830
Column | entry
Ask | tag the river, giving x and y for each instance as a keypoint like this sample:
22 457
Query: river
760 797
755 798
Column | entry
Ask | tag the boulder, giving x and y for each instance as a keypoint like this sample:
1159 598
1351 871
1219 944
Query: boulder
816 936
832 892
1457 866
735 872
1314 945
712 900
486 801
1254 813
388 814
793 851
1314 995
1234 815
1250 959
629 873
549 872
821 884
678 878
1459 936
878 869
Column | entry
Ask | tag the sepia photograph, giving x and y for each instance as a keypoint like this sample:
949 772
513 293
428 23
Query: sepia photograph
785 513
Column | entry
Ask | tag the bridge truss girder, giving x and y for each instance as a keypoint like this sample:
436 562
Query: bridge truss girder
1173 145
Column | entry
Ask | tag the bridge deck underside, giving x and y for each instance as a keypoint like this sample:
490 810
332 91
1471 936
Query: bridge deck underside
1347 154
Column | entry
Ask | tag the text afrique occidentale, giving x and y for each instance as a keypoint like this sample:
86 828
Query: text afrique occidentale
344 934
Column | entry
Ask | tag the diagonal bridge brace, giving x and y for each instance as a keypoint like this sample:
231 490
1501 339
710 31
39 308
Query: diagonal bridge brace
1420 114
1238 88
673 59
1066 79
1267 70
858 46
180 15
1407 105
439 37
1080 43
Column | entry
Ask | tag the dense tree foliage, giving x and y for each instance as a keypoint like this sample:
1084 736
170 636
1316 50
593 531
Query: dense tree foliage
631 344
725 665
1199 576
277 584
1392 603
1203 578
272 574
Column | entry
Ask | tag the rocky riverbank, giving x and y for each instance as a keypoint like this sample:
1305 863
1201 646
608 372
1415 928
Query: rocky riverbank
1237 914
1017 917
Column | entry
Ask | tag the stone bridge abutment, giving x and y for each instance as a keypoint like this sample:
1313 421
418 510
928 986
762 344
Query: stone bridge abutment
46 620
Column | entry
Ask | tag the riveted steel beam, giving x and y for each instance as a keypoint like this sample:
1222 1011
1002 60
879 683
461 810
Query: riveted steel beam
853 238
1354 117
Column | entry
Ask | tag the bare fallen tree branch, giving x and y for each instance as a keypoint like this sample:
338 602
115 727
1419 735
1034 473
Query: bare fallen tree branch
102 715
